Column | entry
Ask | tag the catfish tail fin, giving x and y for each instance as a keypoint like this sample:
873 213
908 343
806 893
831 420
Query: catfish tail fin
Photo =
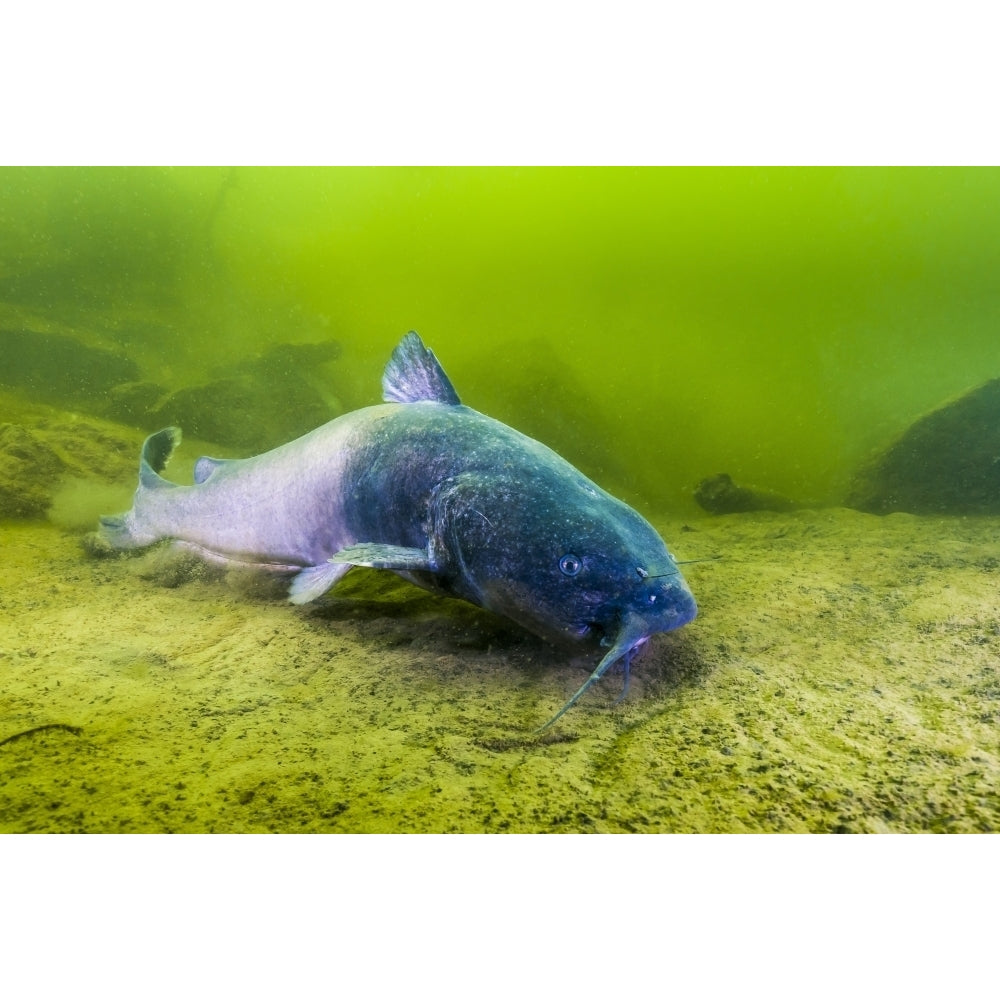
156 452
123 531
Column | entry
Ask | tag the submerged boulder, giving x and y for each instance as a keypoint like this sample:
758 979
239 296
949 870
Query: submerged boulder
258 404
37 460
61 370
948 462
133 403
549 402
29 472
720 495
253 404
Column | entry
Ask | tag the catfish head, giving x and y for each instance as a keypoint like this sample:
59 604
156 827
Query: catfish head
564 559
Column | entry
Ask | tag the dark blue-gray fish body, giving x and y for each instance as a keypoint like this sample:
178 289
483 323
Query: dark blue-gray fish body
446 497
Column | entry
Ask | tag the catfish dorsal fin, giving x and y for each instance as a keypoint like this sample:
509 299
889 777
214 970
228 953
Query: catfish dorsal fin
414 375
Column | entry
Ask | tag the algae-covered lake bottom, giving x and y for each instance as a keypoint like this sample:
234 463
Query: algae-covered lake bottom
841 676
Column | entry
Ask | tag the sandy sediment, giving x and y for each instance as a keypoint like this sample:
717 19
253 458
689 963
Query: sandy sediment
841 676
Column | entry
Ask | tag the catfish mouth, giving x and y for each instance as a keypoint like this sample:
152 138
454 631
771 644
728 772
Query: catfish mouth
592 633
607 633
599 633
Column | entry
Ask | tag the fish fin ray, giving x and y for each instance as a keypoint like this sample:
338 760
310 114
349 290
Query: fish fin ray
414 375
314 581
378 556
156 452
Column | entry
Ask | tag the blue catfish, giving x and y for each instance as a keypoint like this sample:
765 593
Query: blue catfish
443 496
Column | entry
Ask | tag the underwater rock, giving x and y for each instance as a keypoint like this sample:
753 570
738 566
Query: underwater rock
54 368
549 402
29 473
720 495
255 405
42 448
289 360
87 448
948 462
133 403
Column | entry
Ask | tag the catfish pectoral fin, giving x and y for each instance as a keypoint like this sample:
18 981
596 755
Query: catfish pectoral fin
377 556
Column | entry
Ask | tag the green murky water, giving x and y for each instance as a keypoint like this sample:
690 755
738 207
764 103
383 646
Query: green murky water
656 326
776 324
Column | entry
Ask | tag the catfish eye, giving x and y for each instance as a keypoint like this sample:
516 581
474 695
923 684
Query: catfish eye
570 565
